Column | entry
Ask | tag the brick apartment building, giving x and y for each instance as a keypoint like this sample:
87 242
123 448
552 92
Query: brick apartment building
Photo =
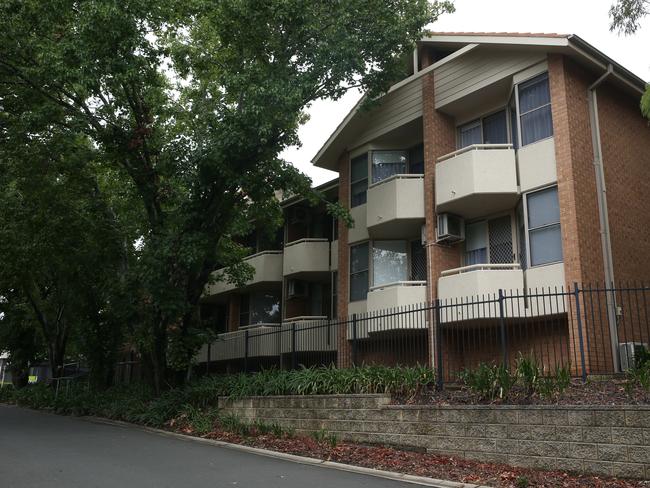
501 161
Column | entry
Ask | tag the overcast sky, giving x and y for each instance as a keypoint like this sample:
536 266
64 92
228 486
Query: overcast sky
587 18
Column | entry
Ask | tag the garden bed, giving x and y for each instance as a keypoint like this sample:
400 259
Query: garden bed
601 391
325 447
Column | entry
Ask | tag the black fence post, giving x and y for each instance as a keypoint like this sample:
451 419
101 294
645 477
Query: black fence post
354 339
294 359
246 351
438 356
583 366
502 322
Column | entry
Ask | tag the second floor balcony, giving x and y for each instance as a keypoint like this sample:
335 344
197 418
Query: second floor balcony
267 267
395 206
306 258
477 180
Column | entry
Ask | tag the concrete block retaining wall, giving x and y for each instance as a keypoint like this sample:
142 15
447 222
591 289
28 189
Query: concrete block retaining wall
598 440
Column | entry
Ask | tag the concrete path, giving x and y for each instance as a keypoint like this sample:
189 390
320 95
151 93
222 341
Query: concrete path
38 449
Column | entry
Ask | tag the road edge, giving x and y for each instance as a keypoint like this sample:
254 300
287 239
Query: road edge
418 480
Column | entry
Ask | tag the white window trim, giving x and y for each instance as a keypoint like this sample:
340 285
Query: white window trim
367 178
529 264
368 269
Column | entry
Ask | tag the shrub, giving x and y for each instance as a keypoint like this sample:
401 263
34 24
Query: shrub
489 381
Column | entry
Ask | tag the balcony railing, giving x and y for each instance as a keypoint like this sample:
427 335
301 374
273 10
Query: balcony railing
396 177
474 147
483 266
267 266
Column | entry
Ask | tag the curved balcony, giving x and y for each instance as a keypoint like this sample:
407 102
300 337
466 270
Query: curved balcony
306 258
477 180
268 269
395 206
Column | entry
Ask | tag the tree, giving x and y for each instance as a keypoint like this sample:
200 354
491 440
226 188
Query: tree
626 16
60 245
194 101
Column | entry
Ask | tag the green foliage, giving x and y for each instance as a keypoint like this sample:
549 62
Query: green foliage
179 111
626 15
489 381
522 482
322 436
638 376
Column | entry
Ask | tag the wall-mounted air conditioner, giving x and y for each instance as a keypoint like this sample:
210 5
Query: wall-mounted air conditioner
296 288
628 352
451 228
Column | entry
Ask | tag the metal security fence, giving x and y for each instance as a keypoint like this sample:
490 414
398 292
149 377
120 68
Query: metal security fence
586 329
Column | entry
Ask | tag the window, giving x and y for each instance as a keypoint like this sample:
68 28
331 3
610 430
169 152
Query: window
418 261
476 243
492 129
388 163
545 239
495 128
469 134
389 261
489 241
535 110
521 234
259 308
244 314
359 272
358 180
416 160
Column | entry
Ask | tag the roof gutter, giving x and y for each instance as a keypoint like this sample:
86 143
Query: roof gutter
601 195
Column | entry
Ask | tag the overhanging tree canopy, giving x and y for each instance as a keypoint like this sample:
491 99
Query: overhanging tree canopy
193 101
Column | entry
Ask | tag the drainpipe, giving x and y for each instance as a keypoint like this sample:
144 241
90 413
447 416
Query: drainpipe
601 194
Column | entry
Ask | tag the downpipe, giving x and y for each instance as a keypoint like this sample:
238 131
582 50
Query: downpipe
601 196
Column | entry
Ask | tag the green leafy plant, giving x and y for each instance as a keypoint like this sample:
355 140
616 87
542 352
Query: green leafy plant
521 482
489 381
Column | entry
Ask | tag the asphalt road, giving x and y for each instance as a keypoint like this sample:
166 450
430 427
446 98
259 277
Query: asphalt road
44 450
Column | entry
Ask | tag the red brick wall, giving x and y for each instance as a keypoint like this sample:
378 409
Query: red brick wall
439 133
579 218
343 291
625 142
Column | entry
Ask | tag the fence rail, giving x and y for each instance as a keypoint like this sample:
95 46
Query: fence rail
591 329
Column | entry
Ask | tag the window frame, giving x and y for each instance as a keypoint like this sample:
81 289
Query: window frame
367 178
407 243
479 120
519 114
367 270
527 228
371 172
513 231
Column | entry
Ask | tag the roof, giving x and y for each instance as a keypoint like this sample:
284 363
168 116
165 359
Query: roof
569 44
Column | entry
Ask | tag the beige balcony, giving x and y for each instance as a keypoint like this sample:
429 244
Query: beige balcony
477 180
306 258
260 340
308 334
268 269
398 294
471 292
395 207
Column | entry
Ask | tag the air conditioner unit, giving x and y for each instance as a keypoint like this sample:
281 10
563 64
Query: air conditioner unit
298 215
628 352
296 288
451 228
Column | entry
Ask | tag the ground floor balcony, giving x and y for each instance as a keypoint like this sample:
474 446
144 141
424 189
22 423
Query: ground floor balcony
267 266
477 180
306 258
308 334
395 206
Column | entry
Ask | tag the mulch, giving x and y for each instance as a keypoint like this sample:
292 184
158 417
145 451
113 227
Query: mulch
608 391
418 463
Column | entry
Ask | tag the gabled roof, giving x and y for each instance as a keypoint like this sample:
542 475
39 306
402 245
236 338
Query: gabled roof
463 42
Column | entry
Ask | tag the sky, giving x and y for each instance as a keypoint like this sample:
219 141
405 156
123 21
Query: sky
588 19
